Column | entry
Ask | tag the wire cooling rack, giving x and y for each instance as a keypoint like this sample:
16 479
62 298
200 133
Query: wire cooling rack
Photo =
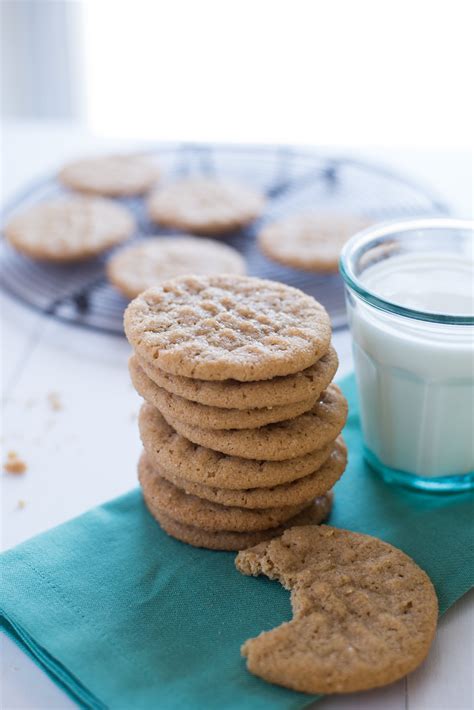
293 180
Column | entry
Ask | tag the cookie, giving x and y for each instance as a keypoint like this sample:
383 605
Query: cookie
276 442
110 175
294 493
172 452
231 394
171 405
310 241
160 494
205 206
364 614
157 259
69 228
227 327
314 514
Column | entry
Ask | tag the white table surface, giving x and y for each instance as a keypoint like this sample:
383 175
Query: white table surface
86 452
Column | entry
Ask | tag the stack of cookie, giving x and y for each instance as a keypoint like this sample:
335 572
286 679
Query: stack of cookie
241 424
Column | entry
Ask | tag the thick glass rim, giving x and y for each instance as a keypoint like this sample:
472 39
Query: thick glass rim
363 239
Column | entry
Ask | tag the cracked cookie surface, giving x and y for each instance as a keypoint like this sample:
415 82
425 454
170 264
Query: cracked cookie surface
205 206
227 327
364 614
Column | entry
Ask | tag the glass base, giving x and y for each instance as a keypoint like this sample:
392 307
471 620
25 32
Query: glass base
439 484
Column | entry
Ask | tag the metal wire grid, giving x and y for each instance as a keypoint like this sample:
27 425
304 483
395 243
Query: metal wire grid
293 181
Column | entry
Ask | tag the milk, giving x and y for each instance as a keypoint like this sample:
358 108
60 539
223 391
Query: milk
416 378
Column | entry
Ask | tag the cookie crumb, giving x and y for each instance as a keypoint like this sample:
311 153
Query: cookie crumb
14 464
55 401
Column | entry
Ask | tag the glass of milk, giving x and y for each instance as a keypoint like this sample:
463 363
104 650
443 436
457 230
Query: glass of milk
410 301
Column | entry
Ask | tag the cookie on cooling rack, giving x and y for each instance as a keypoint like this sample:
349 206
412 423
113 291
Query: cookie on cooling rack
69 229
203 205
110 175
311 242
156 259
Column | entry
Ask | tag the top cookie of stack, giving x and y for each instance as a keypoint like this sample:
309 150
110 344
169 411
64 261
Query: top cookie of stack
236 372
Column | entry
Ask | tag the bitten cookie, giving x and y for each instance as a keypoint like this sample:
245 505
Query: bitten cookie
364 614
232 394
160 494
276 442
314 514
221 327
110 175
157 259
69 228
300 491
205 206
310 241
171 405
180 457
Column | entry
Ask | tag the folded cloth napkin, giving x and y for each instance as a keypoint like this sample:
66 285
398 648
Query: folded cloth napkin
123 616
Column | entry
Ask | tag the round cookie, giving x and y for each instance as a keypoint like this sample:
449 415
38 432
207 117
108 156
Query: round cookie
171 405
231 394
110 175
364 614
168 450
276 442
300 491
310 241
227 327
203 205
157 259
160 494
69 228
314 514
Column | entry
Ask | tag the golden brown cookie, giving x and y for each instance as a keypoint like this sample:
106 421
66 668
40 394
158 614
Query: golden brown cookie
364 614
310 241
205 206
160 494
276 442
110 175
180 457
69 228
231 394
221 327
314 514
157 259
171 405
294 493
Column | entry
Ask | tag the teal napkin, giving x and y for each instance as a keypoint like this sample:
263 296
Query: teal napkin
122 616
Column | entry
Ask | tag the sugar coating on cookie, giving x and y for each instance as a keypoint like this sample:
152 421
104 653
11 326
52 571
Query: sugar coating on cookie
232 394
364 614
193 413
221 327
300 491
161 494
203 205
110 175
69 228
276 442
314 514
310 241
172 452
156 259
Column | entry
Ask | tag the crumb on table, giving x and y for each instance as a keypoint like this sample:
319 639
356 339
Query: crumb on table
54 401
14 464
